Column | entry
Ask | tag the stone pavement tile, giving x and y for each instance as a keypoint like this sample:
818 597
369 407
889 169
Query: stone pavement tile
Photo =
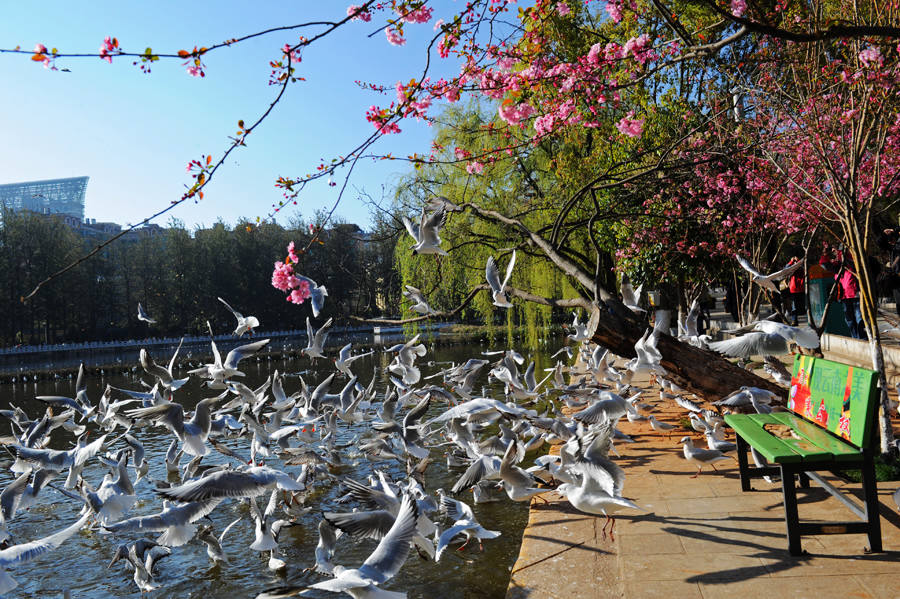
766 519
728 536
704 505
880 585
562 556
814 566
648 544
688 488
703 567
824 587
727 484
850 545
651 522
652 505
662 589
642 484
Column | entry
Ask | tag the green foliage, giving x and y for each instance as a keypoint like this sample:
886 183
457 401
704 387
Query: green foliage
177 275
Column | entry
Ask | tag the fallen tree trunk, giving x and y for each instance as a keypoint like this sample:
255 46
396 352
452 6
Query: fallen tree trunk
699 371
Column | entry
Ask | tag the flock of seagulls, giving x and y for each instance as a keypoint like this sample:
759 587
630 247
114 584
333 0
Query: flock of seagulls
292 441
284 448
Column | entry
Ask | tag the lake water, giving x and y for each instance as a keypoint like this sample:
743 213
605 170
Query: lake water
80 563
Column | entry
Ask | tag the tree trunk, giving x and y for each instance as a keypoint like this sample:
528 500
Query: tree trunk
699 371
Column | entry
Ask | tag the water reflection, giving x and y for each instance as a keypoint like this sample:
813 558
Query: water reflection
80 564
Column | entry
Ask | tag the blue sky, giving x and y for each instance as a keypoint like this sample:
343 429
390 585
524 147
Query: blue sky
133 134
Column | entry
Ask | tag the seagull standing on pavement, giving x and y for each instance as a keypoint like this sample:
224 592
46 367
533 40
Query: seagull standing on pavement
701 457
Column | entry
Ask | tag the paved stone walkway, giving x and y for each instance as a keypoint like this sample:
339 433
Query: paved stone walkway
700 537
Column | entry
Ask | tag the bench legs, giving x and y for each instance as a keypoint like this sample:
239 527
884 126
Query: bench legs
791 516
870 518
743 465
870 495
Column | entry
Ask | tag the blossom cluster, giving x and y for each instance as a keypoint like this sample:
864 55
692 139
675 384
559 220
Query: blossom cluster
42 56
284 279
630 126
383 119
109 48
358 13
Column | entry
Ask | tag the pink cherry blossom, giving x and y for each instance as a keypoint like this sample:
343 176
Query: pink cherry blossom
294 54
363 15
281 276
614 9
438 24
562 8
394 37
630 126
738 7
109 47
419 15
871 57
474 168
40 48
640 48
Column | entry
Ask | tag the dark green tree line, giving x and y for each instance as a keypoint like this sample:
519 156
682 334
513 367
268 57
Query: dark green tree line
177 274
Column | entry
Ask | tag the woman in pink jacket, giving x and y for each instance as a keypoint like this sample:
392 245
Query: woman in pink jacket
848 294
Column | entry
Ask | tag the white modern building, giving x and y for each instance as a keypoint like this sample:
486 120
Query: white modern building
52 196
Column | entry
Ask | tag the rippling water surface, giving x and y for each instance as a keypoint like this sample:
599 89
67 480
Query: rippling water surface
80 564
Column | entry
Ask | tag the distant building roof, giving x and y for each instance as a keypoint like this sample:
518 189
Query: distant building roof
53 196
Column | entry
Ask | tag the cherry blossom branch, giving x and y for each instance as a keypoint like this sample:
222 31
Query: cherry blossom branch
202 179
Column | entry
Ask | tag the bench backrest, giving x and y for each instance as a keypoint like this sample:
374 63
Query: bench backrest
838 397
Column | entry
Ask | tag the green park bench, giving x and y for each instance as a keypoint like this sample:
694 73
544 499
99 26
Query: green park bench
832 413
